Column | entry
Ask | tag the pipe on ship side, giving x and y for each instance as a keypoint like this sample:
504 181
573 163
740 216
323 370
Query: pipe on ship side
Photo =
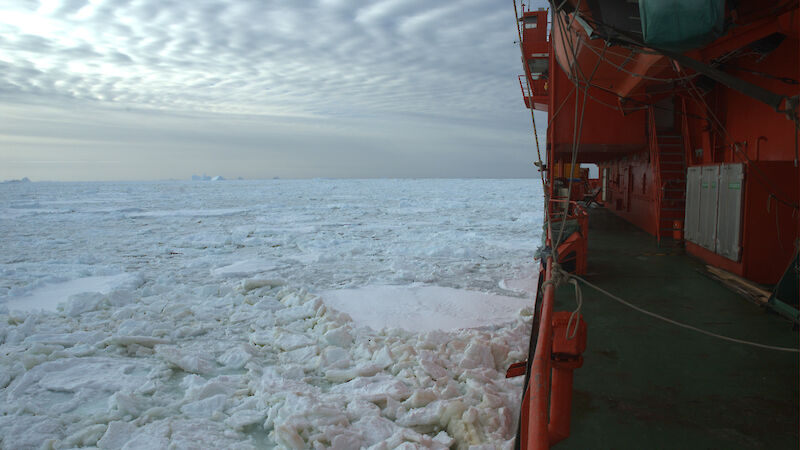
535 413
560 405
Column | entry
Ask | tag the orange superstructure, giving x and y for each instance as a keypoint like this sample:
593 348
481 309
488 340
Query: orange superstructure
695 138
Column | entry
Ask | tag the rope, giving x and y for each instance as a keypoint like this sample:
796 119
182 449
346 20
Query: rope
777 218
529 94
643 105
683 325
535 132
558 110
576 314
634 74
559 276
533 119
578 123
796 133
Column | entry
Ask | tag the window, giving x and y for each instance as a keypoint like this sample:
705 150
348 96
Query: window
594 171
530 22
538 67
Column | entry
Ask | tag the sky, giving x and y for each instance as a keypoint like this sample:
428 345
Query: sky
163 89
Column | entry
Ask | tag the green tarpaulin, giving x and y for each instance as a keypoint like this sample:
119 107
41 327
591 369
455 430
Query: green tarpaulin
680 25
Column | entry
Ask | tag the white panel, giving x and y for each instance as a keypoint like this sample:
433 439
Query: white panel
729 219
691 223
709 198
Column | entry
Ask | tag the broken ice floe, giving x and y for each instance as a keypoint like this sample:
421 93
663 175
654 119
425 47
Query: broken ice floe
298 374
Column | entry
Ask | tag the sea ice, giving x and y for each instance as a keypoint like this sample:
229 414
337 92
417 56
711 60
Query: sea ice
243 268
526 285
300 314
50 296
423 308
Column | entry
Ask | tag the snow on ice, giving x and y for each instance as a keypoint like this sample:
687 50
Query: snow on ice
50 296
423 308
293 314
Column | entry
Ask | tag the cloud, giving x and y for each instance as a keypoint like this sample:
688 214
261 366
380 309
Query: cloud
386 56
336 60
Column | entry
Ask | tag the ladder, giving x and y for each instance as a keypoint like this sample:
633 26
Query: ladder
672 175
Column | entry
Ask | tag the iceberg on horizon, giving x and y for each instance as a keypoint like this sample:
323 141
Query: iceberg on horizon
205 177
22 180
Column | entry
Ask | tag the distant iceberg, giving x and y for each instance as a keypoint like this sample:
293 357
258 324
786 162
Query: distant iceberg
23 180
205 177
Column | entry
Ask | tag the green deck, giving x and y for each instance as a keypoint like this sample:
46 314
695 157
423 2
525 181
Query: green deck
649 384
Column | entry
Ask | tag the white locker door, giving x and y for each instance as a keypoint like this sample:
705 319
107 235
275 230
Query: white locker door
729 216
709 199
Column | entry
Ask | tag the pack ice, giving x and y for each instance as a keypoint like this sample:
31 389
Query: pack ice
258 329
265 366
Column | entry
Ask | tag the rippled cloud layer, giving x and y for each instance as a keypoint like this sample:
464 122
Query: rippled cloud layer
293 82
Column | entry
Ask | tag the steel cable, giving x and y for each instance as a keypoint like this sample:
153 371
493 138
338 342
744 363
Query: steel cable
683 325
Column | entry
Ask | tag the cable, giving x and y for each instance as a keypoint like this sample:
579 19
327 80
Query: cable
558 110
617 108
535 133
763 179
635 74
796 132
785 80
576 136
575 131
644 105
533 120
578 124
535 323
763 95
683 325
530 97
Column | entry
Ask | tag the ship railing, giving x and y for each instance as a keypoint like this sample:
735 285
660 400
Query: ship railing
535 412
563 209
571 247
536 89
522 87
547 400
